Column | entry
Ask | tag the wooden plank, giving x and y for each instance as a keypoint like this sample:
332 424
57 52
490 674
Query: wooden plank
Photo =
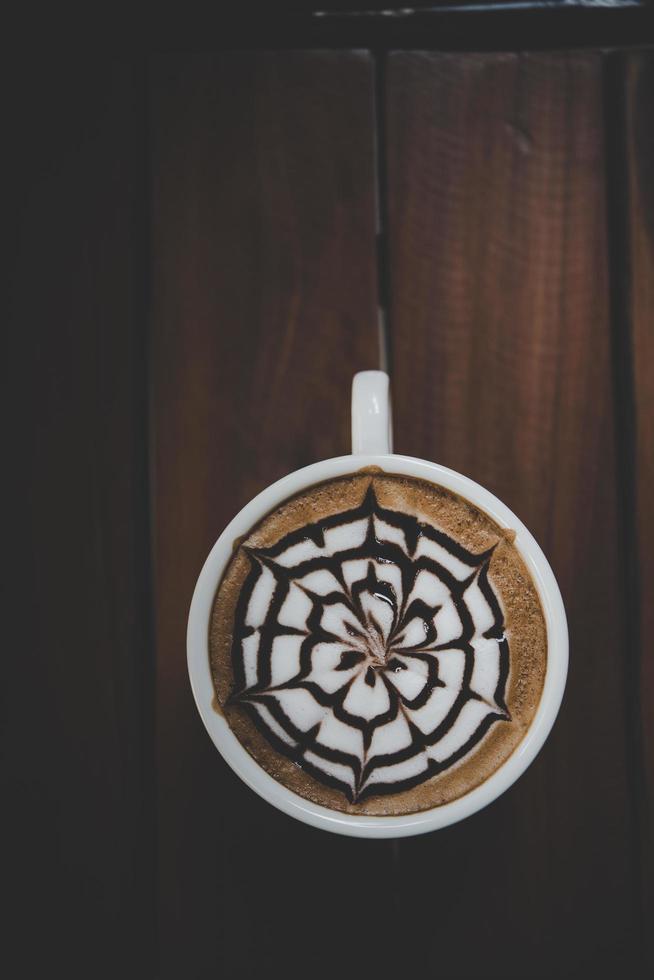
501 342
264 305
77 794
639 91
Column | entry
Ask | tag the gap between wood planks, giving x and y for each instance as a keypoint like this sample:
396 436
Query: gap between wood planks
382 243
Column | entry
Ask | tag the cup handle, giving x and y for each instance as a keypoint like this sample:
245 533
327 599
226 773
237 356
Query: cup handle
372 425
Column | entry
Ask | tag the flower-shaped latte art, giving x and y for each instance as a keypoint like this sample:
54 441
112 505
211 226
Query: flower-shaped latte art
369 648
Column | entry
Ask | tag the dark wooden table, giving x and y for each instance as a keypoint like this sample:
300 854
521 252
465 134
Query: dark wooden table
202 241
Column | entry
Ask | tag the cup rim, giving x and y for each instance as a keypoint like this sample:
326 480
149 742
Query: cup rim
237 756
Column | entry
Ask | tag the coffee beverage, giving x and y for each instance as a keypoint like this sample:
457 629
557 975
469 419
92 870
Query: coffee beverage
377 644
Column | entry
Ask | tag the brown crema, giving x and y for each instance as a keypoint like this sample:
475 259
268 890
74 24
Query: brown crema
523 624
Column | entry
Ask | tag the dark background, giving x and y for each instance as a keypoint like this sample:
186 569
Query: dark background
201 227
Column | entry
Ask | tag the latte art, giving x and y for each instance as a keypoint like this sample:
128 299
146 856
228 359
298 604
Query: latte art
369 647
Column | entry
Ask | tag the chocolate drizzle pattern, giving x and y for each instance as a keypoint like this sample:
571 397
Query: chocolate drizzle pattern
369 648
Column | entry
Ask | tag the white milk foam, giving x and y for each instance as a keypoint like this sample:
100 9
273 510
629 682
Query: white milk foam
372 649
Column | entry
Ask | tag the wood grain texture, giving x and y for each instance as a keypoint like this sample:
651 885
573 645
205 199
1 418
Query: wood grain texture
639 92
264 304
76 673
501 356
263 290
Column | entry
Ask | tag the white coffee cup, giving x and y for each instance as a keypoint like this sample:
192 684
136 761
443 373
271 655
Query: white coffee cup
372 446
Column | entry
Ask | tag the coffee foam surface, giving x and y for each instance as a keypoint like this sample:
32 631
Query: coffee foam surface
378 645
